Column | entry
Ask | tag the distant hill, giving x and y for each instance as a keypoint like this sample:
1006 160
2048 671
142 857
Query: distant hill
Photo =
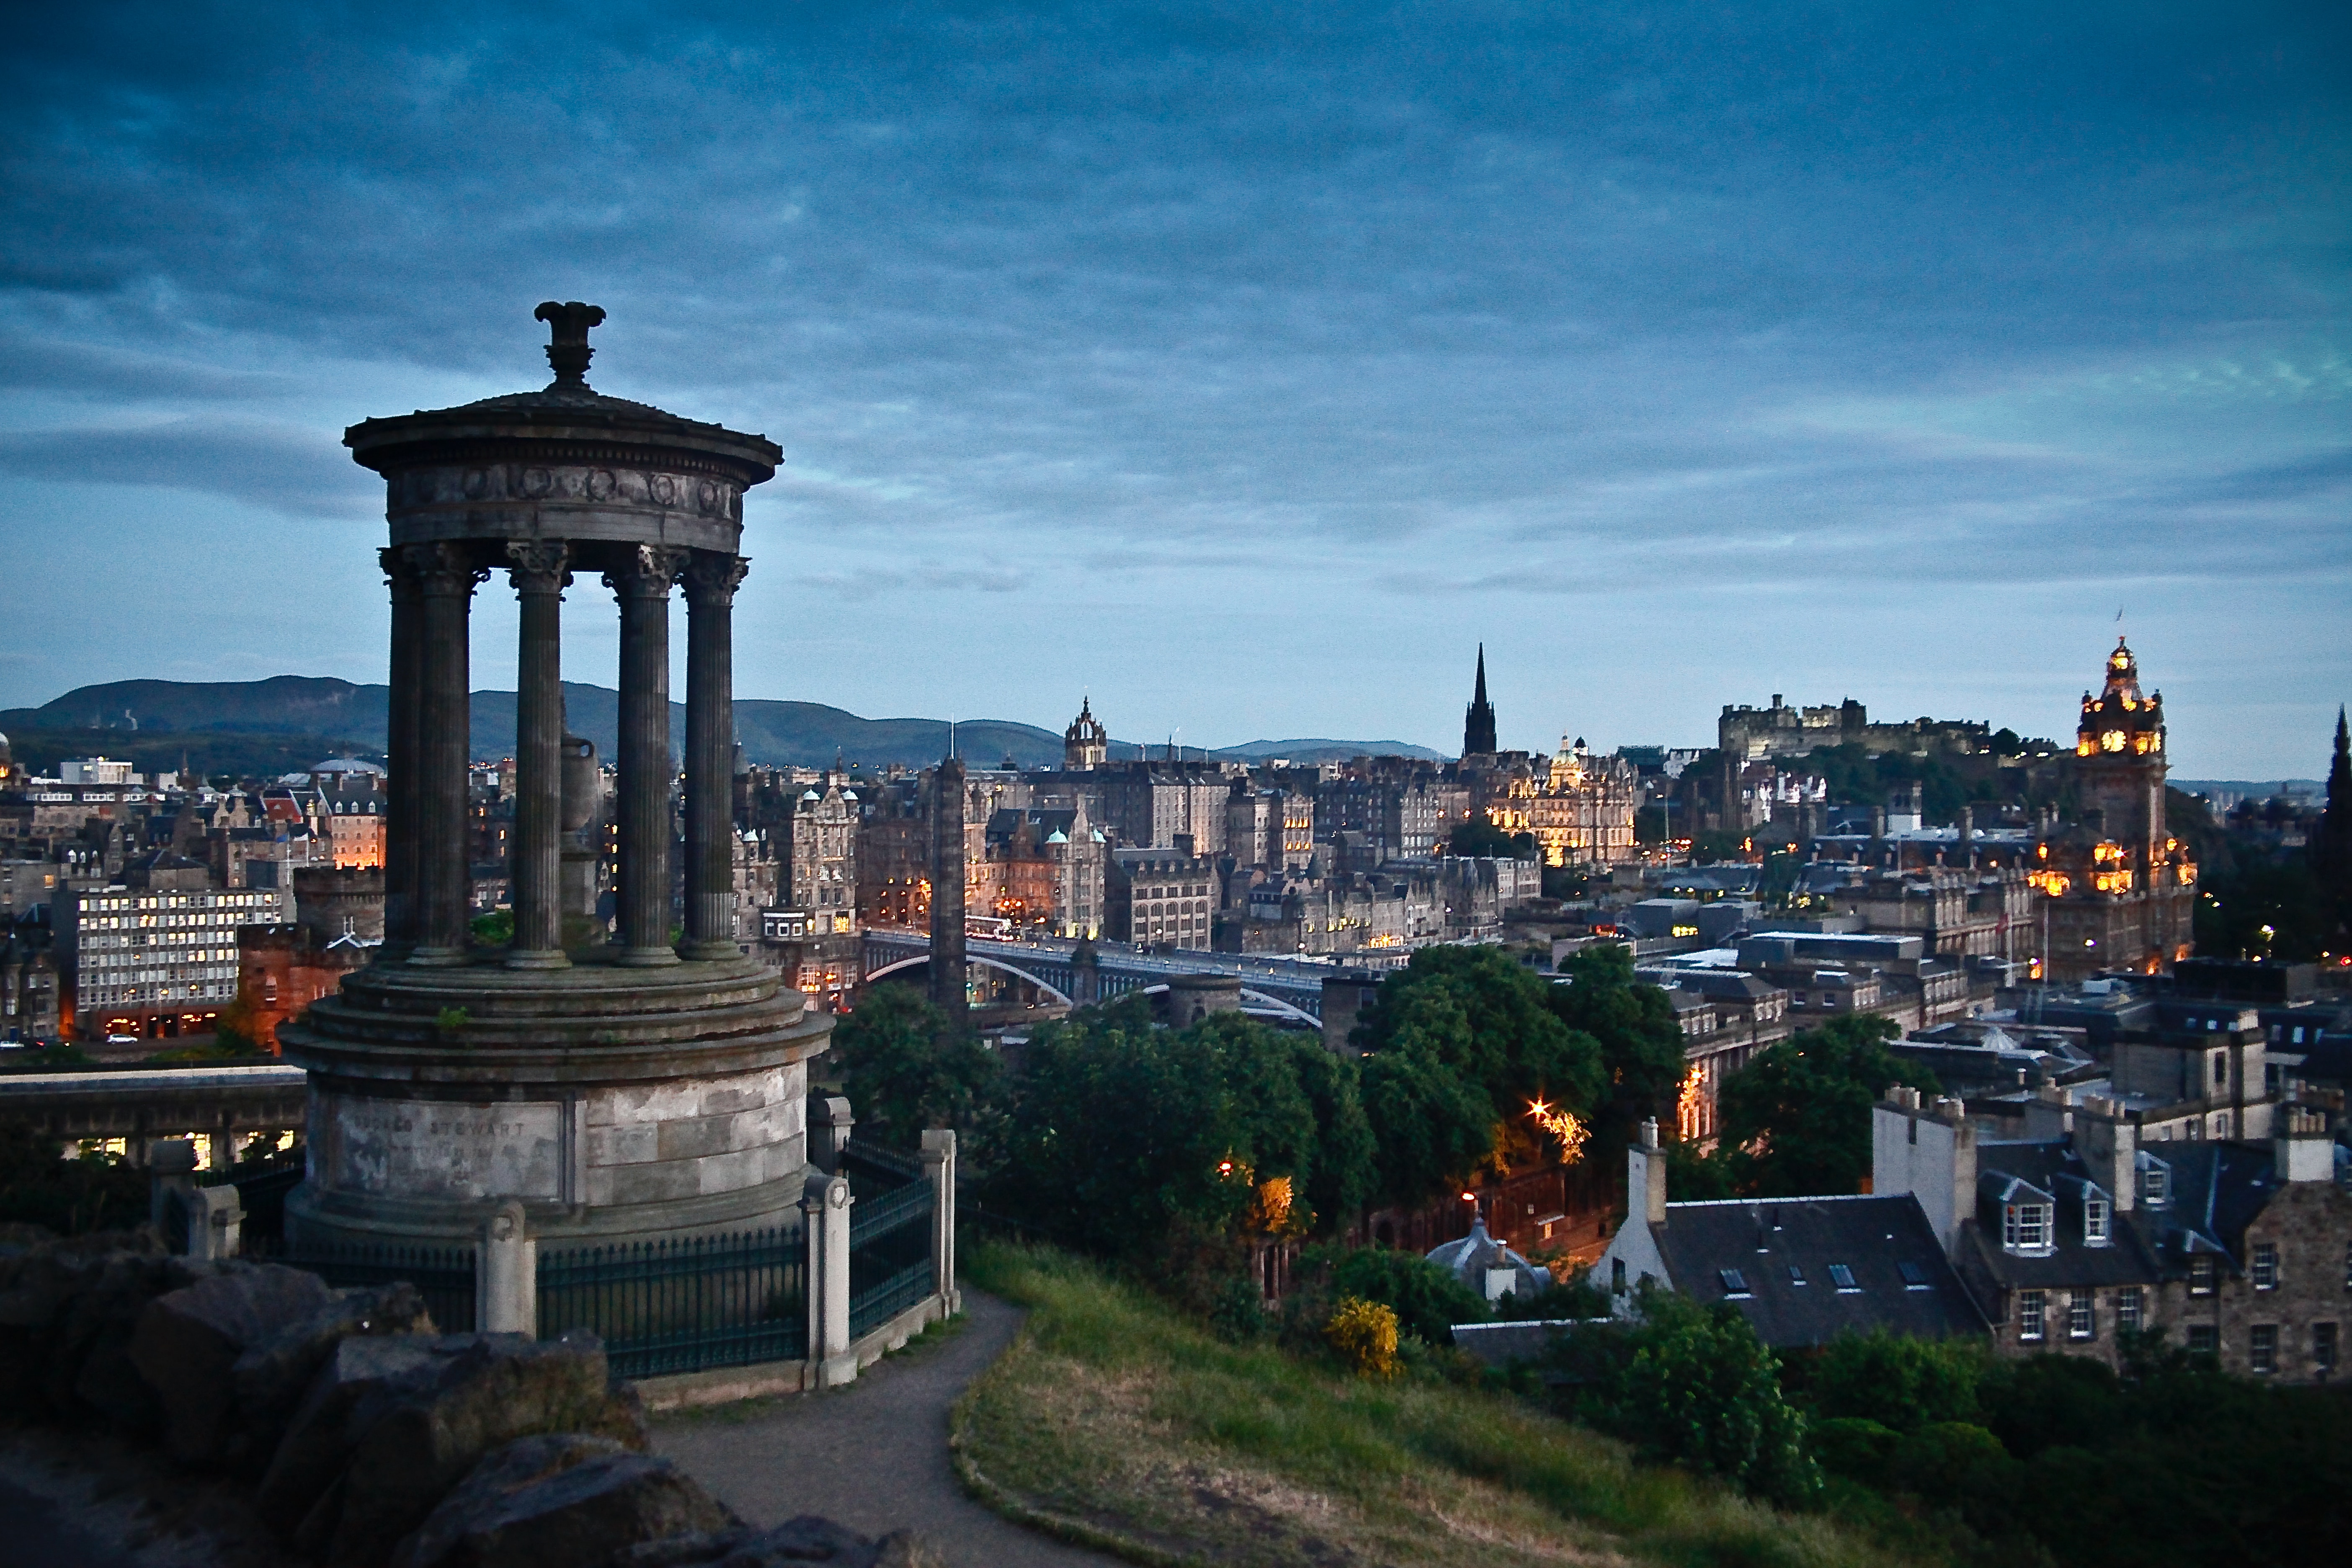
1327 750
158 718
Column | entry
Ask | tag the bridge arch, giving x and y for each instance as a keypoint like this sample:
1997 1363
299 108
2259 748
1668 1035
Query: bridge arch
1047 986
1277 1003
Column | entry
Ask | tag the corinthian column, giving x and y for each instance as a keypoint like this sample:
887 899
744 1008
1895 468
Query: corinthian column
642 584
445 576
710 585
400 754
539 580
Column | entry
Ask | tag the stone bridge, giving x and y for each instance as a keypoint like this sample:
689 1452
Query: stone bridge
144 1106
1291 988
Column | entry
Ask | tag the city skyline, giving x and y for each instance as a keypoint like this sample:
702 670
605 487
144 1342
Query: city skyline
1246 372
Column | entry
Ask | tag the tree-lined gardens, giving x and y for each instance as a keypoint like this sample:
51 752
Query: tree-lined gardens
1142 1167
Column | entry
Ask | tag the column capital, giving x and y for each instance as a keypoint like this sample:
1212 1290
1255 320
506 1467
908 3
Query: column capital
446 569
399 570
538 566
712 578
649 570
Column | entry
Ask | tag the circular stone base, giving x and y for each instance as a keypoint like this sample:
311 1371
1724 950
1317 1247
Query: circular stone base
616 1103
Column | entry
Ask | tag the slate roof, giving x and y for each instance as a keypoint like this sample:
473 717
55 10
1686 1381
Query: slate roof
2217 1189
2052 1169
1877 1239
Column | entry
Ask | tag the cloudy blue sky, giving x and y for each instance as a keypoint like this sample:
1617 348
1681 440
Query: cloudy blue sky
1243 367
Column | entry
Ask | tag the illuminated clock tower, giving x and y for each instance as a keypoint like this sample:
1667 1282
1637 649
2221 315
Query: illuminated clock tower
2117 890
2119 758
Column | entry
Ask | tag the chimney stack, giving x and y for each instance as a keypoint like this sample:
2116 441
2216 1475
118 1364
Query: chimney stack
1645 1176
2302 1150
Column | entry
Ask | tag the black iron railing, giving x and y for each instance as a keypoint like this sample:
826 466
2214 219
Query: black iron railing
890 1254
444 1276
683 1304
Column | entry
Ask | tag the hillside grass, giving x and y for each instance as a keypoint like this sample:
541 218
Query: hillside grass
1115 1421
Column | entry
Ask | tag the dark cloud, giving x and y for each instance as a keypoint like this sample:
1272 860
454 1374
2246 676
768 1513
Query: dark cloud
1343 307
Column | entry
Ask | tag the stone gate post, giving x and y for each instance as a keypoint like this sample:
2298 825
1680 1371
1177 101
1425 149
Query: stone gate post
825 1208
506 1278
940 1166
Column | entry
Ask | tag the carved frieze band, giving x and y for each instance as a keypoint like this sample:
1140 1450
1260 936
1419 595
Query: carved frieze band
713 579
590 483
537 566
651 571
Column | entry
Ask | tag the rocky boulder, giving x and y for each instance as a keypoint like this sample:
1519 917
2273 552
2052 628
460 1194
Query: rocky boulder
360 1371
67 1310
188 1342
414 1436
273 1373
560 1501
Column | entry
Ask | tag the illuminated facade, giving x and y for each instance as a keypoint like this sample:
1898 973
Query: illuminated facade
823 877
1583 813
2118 891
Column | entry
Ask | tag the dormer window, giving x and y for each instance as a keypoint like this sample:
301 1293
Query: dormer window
2203 1275
2094 1222
2026 1226
2155 1184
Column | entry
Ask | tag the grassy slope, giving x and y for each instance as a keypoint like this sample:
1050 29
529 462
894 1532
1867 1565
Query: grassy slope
1115 1421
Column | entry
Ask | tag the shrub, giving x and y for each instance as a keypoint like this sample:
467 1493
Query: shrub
1853 1446
1700 1388
1426 1300
1896 1380
1365 1335
91 1192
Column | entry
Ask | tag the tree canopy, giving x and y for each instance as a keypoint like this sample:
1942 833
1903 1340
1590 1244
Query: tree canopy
1120 1130
1480 837
904 1073
1465 1044
1641 1042
1796 1119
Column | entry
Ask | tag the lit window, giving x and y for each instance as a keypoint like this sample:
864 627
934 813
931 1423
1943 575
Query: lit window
2265 1267
2094 1222
1842 1276
2261 1348
2079 1319
2202 1275
2030 1306
2127 1307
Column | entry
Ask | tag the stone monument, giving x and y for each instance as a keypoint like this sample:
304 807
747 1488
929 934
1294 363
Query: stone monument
616 1089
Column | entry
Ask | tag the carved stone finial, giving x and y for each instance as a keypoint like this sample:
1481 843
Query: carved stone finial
570 353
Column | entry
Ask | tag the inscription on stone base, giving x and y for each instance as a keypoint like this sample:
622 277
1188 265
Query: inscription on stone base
420 1149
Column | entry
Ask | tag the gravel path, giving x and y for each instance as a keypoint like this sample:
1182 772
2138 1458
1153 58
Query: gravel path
872 1456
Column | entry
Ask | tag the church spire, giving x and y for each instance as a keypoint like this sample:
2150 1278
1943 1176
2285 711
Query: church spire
1478 722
